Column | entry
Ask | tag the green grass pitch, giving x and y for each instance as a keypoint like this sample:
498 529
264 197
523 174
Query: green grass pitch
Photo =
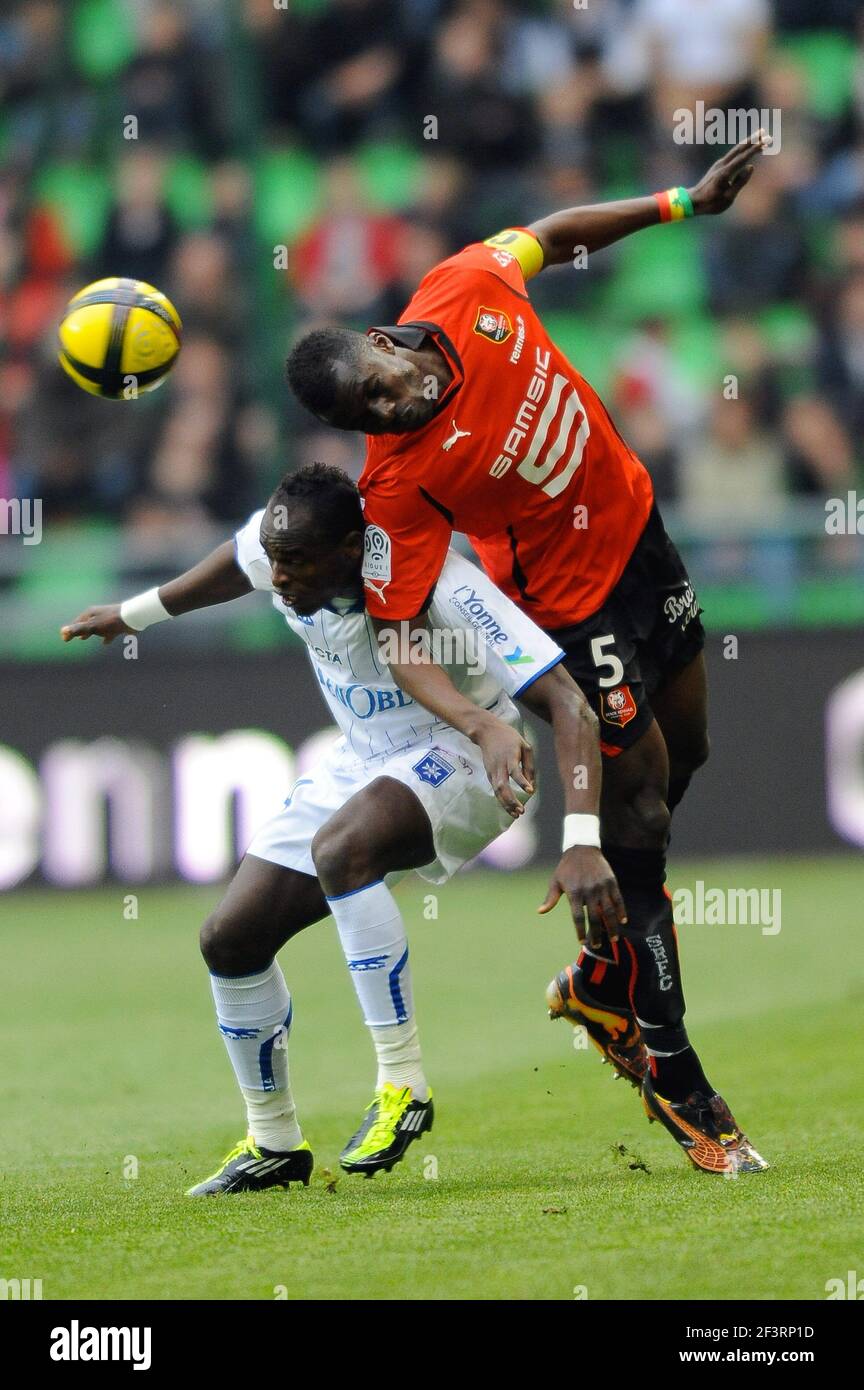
112 1060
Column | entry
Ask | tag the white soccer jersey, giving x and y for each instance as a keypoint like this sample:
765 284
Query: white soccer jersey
376 717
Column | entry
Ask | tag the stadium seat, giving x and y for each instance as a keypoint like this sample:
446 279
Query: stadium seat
827 59
188 192
287 194
620 161
390 173
697 346
101 38
789 330
657 274
590 344
80 196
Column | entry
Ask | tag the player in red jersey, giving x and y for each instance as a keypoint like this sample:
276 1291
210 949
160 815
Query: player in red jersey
478 423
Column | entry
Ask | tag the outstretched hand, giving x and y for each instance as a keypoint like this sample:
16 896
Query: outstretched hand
719 187
104 622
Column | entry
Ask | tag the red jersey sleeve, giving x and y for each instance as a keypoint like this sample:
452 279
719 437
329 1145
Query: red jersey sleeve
404 548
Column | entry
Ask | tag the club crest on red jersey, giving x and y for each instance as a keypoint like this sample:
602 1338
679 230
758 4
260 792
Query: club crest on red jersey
493 324
618 706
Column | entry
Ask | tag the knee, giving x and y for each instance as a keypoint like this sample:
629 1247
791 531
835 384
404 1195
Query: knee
652 817
641 822
342 861
225 945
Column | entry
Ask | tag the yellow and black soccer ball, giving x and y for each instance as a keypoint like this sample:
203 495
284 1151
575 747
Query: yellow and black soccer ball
119 337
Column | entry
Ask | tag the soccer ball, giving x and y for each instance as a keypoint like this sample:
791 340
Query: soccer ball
119 337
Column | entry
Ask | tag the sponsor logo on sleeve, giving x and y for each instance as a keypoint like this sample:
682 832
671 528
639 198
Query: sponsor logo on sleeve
377 551
618 706
493 324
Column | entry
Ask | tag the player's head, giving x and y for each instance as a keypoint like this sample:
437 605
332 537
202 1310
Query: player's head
359 381
312 534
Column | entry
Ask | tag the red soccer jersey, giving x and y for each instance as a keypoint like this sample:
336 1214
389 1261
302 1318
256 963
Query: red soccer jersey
521 456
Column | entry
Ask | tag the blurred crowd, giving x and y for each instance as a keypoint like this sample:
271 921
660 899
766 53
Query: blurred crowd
307 161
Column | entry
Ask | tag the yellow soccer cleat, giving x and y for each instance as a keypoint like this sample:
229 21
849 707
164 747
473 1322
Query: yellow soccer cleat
392 1122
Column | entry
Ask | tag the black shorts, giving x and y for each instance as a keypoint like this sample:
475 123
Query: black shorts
647 630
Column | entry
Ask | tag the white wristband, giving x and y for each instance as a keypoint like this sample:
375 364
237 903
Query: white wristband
581 830
143 610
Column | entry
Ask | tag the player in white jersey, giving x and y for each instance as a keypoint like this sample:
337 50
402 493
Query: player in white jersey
400 790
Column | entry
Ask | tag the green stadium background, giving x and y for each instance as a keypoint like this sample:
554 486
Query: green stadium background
272 167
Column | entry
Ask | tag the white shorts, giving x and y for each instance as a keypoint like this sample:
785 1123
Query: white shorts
447 776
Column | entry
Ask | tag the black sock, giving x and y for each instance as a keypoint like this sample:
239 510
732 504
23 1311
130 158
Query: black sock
604 979
649 954
676 1078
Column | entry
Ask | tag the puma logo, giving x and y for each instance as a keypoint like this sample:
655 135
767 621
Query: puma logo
377 589
455 436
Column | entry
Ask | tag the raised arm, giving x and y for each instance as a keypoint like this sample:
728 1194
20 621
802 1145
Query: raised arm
215 579
601 224
582 874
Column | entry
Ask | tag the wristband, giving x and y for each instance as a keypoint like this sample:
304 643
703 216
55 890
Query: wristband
143 610
581 830
675 204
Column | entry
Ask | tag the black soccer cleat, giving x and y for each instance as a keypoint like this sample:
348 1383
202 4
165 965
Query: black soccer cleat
705 1128
392 1122
248 1168
615 1034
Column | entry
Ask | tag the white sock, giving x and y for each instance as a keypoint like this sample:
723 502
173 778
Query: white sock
254 1017
399 1059
272 1119
373 938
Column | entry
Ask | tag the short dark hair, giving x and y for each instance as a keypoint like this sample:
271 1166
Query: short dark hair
310 365
329 495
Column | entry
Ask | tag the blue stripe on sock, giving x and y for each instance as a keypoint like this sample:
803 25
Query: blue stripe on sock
337 897
395 989
265 1054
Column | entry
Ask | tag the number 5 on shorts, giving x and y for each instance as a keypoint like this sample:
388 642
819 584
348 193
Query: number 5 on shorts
602 658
